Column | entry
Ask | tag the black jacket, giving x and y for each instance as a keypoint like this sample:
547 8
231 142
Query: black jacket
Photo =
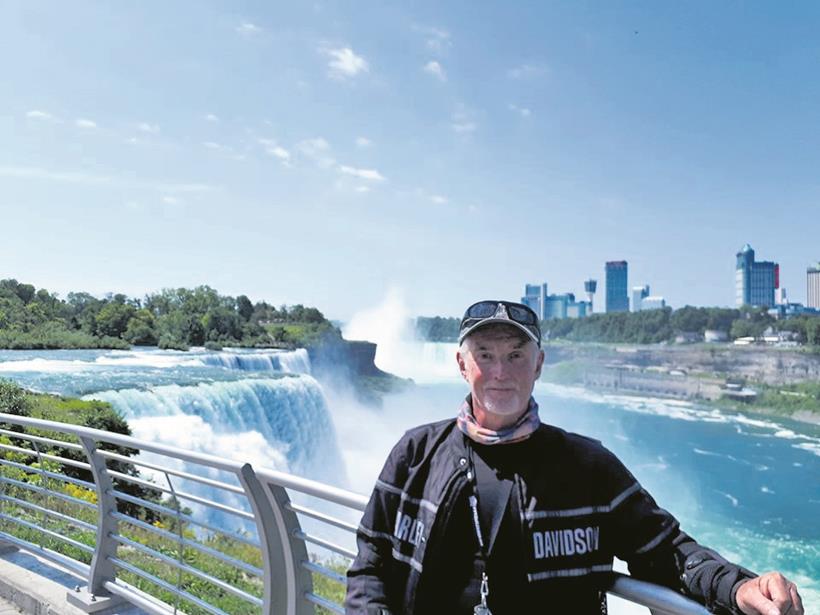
577 506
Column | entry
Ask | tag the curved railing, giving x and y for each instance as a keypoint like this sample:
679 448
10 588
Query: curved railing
170 530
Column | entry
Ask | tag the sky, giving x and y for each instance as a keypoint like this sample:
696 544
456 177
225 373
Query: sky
334 154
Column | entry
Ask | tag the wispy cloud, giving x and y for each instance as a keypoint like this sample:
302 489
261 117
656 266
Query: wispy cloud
362 189
211 118
527 71
275 150
462 121
522 111
93 179
344 63
36 114
437 39
213 145
368 174
435 69
151 129
363 142
318 150
170 200
439 200
85 123
246 28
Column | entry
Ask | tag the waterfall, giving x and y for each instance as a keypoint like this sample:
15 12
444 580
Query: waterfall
287 415
291 362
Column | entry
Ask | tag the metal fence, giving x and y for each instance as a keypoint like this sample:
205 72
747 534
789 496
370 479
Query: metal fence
170 530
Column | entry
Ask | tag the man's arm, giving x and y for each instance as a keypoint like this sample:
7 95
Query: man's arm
369 578
656 550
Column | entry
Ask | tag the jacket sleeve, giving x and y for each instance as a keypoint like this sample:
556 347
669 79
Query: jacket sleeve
659 552
370 582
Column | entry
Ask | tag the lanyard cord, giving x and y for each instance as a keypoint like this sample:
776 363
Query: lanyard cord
473 500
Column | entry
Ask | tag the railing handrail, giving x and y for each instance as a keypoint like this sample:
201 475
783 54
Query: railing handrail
281 537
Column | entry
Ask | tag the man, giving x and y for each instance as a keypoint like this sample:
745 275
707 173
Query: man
497 512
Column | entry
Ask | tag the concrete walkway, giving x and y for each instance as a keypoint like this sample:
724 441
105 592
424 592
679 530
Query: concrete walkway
31 584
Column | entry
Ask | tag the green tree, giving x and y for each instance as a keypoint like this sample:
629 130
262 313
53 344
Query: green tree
141 329
112 319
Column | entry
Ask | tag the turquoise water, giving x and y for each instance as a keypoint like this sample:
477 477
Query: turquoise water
749 487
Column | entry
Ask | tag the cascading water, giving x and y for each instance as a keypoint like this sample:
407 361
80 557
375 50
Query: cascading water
291 362
289 412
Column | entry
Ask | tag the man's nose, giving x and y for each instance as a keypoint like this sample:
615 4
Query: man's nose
498 369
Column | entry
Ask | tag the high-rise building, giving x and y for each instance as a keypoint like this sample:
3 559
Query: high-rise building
565 306
590 286
553 306
617 299
535 297
755 281
639 293
813 287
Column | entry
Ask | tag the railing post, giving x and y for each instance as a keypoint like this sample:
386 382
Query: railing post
282 553
94 597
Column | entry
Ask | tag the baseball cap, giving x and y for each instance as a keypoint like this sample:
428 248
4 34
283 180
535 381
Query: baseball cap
492 311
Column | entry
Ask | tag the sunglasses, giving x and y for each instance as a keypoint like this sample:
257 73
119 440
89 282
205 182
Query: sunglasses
487 309
515 312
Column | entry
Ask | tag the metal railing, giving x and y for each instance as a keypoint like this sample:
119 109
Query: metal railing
170 530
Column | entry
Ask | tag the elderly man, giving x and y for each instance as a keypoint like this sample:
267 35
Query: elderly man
497 512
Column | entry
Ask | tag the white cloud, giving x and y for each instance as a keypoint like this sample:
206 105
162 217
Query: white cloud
362 189
345 63
248 29
170 200
36 114
281 153
522 111
213 145
527 71
84 123
274 149
317 150
462 121
438 199
435 69
211 118
149 128
438 39
75 177
368 174
363 142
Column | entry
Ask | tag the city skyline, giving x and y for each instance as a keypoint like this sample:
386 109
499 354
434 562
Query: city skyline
319 155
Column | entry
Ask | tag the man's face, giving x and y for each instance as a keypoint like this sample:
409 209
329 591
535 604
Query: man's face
501 370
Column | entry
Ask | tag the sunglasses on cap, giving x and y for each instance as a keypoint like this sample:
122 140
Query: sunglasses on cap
491 311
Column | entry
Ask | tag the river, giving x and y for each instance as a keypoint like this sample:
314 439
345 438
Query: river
747 486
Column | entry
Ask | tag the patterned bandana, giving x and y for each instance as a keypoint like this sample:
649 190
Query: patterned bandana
522 429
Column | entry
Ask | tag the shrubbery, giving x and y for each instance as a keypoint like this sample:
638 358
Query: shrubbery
172 318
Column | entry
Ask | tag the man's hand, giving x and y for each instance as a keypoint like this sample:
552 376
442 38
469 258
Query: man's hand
769 594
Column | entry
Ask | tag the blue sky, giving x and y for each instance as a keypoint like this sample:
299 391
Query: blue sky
325 153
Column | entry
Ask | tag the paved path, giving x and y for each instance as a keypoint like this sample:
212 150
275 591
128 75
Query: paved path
31 584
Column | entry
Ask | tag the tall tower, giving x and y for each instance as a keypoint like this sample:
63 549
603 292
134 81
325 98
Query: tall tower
755 281
590 286
813 286
617 297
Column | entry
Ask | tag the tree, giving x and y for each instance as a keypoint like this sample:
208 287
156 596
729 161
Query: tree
141 329
244 307
112 319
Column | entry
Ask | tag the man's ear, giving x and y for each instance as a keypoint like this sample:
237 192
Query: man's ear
539 363
462 368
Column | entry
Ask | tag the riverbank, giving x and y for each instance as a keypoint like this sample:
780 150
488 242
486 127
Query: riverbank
757 380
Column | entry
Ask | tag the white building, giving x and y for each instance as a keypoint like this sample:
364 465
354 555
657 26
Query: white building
813 287
639 293
653 302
